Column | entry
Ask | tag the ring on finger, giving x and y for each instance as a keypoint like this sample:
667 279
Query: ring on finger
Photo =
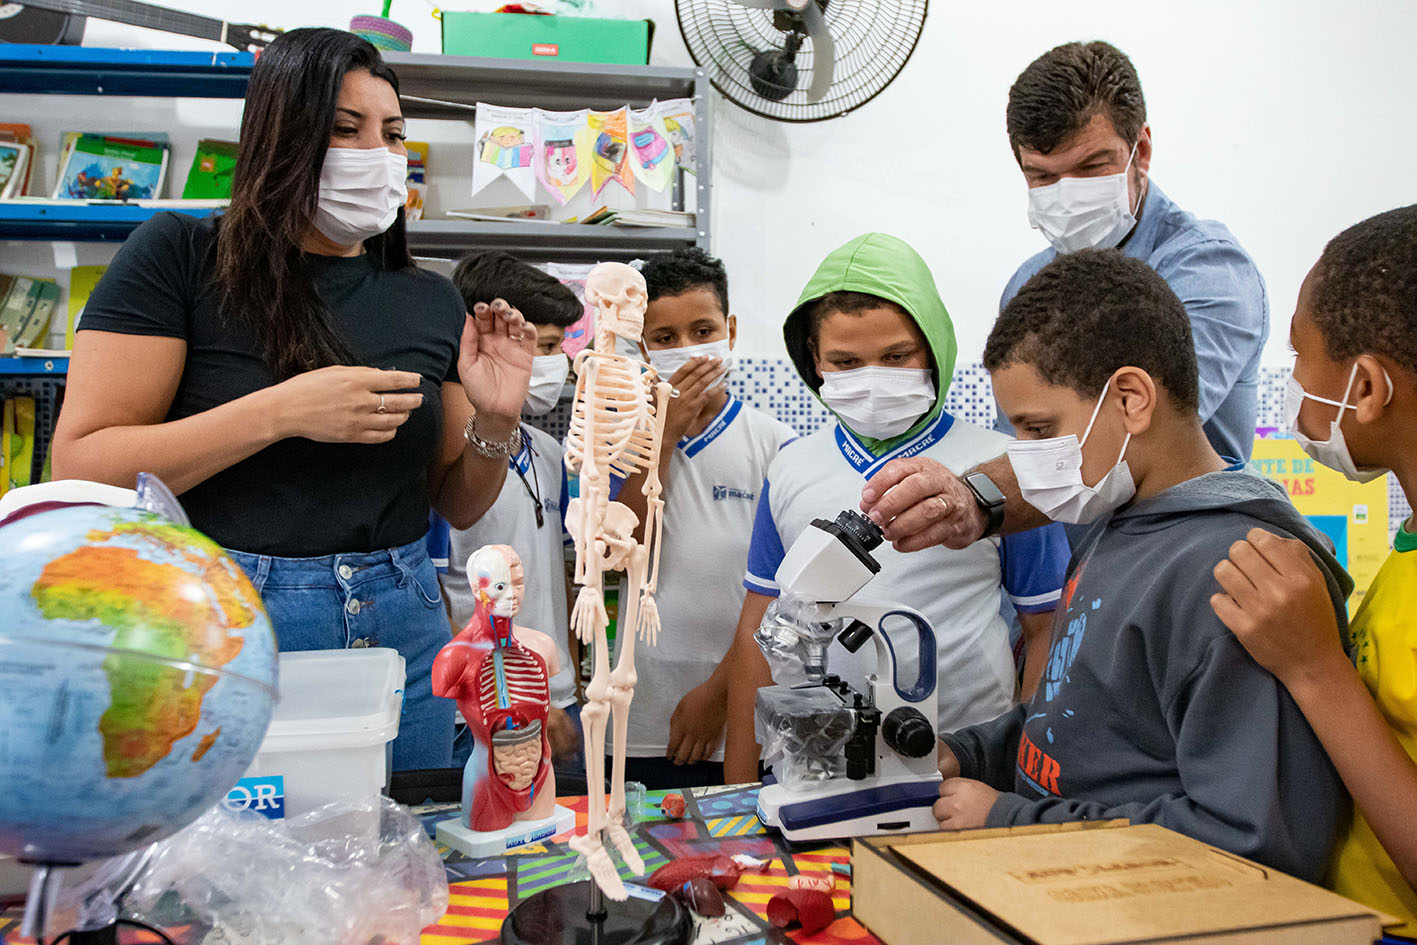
944 503
382 408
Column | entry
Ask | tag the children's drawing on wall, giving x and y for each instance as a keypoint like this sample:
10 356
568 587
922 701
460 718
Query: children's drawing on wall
653 160
606 133
504 148
562 164
678 118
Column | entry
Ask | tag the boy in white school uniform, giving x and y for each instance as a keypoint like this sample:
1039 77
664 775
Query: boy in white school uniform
528 513
871 337
716 453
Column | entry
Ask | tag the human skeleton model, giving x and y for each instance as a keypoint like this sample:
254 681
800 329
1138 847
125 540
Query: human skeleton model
499 674
617 423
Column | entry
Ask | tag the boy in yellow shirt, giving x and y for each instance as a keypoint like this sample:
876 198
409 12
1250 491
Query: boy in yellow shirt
1352 405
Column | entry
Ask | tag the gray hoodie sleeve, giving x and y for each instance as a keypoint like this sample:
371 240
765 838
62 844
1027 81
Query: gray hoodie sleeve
1257 781
986 752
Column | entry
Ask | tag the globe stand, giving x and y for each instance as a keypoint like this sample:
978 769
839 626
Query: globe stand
39 907
550 918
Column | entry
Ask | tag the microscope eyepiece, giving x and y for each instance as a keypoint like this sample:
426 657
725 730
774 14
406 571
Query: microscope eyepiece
860 528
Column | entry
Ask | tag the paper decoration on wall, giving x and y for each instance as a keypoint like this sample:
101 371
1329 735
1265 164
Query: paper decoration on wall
1353 515
504 148
562 157
582 331
606 136
678 117
651 157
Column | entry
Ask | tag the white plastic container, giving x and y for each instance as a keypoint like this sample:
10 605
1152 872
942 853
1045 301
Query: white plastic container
330 735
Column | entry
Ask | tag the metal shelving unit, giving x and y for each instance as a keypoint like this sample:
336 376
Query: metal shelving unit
433 86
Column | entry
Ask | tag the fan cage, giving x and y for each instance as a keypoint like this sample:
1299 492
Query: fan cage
873 40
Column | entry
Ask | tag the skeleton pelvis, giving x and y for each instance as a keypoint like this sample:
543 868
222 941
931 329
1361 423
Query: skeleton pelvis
616 533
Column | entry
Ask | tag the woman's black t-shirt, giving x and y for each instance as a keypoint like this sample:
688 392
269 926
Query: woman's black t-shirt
297 497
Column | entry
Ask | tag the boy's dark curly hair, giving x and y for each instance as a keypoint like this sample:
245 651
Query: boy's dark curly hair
1363 292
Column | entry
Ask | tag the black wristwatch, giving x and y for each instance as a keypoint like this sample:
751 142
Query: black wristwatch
990 500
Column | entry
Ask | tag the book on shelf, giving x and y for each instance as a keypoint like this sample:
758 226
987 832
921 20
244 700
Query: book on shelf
212 168
46 353
604 216
82 280
26 305
416 179
16 182
18 434
533 211
111 168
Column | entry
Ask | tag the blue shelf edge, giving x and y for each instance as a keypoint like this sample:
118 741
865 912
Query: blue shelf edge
81 222
34 367
82 70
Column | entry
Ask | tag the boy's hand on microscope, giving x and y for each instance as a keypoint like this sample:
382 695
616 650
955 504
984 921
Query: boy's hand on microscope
696 725
964 804
695 382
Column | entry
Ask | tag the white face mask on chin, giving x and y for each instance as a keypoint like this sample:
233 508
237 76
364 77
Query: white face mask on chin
548 377
879 402
1049 474
361 190
1084 212
1332 452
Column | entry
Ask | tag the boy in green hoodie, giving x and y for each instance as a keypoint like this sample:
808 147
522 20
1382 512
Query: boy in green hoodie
872 339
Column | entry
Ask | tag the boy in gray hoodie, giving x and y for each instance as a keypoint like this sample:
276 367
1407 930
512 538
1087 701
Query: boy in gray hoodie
1149 709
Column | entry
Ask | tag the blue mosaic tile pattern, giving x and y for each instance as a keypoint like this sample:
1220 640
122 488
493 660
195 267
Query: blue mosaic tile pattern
772 385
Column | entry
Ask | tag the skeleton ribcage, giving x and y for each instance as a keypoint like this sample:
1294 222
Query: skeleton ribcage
510 676
622 408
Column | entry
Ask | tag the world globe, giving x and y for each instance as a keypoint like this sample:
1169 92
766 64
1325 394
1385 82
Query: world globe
137 678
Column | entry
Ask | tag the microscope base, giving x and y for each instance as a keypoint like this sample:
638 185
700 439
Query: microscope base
850 808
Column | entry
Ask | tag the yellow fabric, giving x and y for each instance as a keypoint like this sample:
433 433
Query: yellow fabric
1384 634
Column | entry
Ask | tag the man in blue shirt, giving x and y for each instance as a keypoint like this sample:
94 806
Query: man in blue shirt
1077 125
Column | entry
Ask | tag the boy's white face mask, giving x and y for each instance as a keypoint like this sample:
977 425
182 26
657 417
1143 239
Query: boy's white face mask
1049 476
667 361
1084 212
1332 452
548 377
361 190
879 402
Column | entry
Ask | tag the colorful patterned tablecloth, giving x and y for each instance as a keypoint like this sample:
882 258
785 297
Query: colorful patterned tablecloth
716 820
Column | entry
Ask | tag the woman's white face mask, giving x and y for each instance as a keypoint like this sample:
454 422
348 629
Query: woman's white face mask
361 190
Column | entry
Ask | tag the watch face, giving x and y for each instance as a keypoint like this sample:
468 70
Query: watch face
984 487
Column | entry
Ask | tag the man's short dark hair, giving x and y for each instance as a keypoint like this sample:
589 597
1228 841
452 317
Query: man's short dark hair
683 270
1363 296
1062 89
541 298
1089 313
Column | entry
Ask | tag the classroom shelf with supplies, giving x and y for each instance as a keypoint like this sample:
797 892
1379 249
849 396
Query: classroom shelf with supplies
443 88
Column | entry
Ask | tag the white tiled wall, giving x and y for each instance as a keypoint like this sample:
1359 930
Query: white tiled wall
772 385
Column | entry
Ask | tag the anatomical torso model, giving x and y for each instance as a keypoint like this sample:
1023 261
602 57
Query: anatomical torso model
617 423
499 674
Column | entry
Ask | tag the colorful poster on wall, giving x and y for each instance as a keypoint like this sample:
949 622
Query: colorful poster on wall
562 158
678 117
606 135
1353 515
652 158
581 333
504 148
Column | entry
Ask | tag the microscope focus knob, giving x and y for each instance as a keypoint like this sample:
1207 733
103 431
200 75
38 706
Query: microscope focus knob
908 732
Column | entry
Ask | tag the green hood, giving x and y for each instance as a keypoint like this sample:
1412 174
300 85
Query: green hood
882 265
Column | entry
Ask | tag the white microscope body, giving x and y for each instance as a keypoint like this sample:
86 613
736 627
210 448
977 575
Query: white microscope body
890 779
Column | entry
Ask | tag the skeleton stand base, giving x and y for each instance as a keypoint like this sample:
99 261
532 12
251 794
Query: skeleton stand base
578 914
480 844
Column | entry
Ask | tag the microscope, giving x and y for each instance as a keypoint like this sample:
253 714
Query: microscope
853 751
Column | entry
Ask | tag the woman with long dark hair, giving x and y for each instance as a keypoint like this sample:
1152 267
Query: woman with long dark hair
299 382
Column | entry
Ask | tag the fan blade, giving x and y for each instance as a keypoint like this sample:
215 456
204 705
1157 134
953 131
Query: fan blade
760 4
823 51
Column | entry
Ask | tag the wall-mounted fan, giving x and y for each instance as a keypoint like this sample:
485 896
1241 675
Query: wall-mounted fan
801 60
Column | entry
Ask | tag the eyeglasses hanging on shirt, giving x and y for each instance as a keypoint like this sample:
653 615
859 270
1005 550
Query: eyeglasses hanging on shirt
533 492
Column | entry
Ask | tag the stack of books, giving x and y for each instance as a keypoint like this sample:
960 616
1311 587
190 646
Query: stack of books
17 160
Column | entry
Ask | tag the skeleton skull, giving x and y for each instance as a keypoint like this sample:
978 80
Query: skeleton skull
494 572
619 295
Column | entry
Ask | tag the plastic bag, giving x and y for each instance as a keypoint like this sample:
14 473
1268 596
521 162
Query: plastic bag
793 642
339 875
803 733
